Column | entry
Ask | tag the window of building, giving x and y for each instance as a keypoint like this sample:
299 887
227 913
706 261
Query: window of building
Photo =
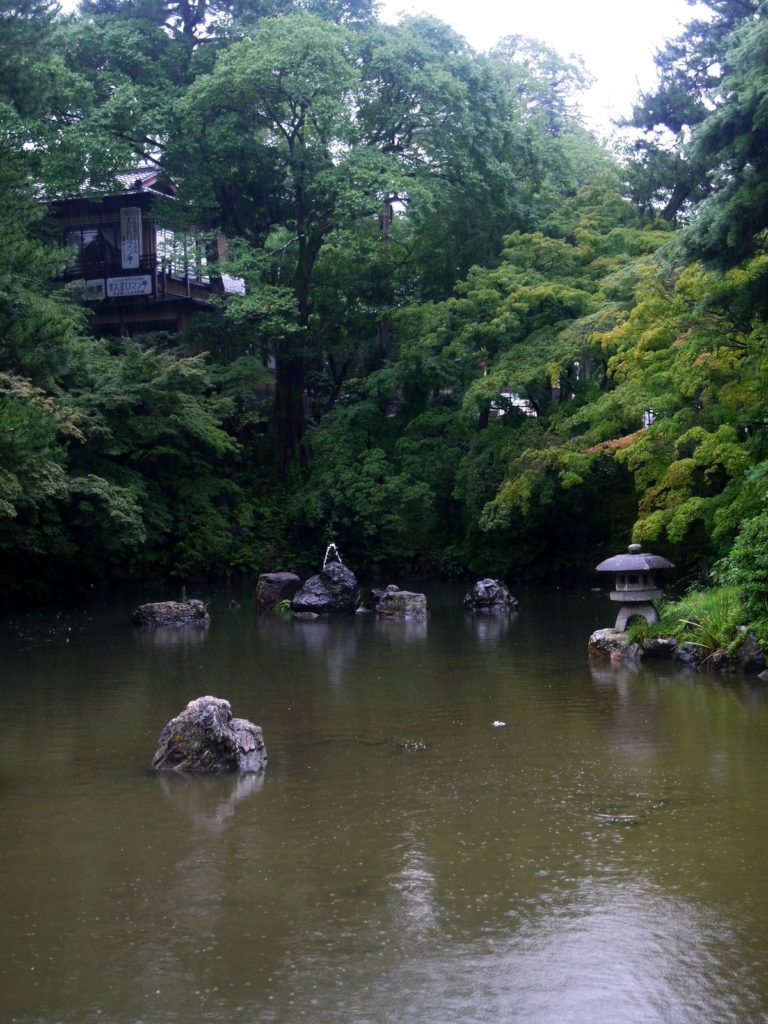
94 245
182 255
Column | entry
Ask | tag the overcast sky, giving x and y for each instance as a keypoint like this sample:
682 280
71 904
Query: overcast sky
617 38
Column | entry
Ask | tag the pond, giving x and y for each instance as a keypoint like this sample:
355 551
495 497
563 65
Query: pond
406 857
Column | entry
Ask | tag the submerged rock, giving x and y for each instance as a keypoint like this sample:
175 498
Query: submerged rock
490 595
274 587
172 613
206 738
395 603
334 589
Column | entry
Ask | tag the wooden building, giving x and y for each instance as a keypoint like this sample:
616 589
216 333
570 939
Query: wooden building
137 275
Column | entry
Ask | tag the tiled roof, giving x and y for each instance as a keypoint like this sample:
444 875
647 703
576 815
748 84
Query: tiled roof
140 177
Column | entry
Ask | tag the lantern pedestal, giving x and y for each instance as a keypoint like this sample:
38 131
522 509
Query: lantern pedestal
627 612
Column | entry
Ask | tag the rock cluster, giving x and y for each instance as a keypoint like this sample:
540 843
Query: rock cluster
206 738
616 646
490 595
172 613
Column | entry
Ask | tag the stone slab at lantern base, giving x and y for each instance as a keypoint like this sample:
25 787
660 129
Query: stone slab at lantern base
628 612
608 643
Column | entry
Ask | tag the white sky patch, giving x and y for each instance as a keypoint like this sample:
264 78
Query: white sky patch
617 39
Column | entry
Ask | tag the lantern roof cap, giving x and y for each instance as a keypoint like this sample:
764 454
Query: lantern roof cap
634 560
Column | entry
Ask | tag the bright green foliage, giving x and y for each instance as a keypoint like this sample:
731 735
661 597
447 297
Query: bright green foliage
525 337
710 619
687 359
747 566
31 459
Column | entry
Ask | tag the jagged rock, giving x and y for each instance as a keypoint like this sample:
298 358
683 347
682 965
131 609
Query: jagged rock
274 587
751 655
490 596
172 613
206 738
395 603
334 589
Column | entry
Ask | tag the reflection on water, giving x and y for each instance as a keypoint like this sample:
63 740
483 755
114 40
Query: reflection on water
610 952
401 630
491 626
209 801
171 636
601 860
413 893
325 639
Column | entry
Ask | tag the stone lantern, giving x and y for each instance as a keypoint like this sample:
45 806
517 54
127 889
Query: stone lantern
634 585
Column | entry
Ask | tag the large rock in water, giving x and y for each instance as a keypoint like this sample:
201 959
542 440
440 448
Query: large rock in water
172 613
274 587
395 603
490 596
206 738
334 589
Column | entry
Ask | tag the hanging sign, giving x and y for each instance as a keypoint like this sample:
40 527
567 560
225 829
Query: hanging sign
139 284
130 237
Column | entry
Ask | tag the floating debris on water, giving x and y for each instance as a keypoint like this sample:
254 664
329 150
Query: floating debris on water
621 819
413 745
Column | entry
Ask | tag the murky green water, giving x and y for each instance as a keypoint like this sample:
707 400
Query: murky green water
602 857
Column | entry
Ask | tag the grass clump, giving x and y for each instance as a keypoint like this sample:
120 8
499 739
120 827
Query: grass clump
710 619
283 609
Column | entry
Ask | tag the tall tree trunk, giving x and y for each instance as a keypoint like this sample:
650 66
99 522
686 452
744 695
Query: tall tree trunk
289 421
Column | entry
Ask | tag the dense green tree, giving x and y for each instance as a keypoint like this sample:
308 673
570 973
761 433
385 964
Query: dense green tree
732 143
302 139
487 359
666 173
